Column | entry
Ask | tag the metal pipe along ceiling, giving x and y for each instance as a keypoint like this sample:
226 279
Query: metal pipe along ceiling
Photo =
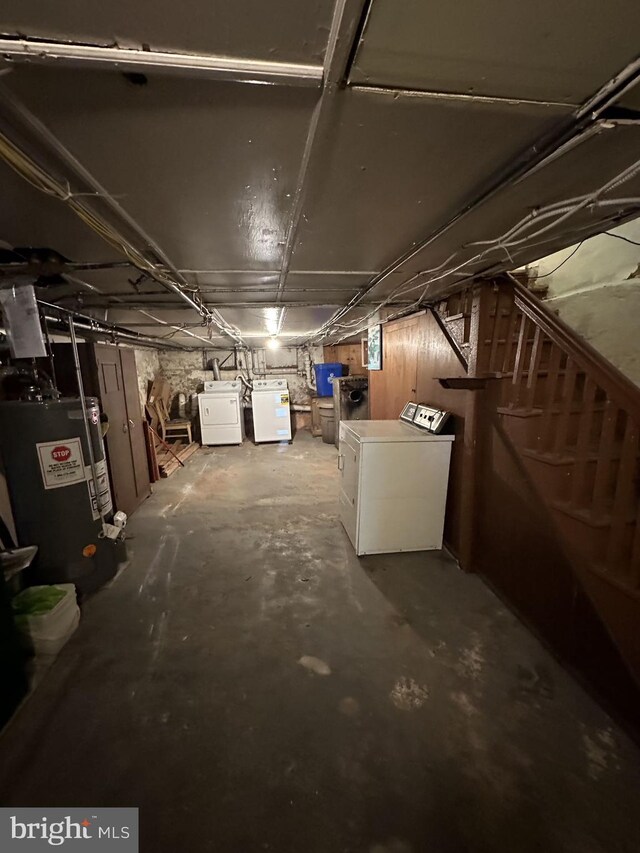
139 309
129 59
84 322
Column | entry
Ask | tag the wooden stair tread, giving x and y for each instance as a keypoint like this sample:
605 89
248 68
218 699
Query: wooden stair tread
520 412
514 340
504 312
450 318
585 516
541 372
535 411
549 457
624 585
569 455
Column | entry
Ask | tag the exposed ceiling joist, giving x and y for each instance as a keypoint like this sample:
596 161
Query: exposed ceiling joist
347 15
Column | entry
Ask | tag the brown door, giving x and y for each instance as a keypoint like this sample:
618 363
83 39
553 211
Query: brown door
126 494
134 422
391 387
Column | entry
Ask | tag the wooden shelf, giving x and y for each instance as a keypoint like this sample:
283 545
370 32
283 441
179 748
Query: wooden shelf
464 383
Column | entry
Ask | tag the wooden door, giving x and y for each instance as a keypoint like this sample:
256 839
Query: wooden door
134 423
109 373
391 387
113 404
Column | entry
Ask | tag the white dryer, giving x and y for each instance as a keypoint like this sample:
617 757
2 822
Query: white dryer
220 405
271 411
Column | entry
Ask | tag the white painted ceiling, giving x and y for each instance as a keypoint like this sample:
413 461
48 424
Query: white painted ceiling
401 133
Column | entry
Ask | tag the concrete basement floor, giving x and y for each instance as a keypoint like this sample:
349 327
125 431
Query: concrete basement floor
251 685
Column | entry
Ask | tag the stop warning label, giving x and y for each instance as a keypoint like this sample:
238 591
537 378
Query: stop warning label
61 453
61 462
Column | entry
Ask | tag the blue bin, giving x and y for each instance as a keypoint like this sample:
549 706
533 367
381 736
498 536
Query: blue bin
324 375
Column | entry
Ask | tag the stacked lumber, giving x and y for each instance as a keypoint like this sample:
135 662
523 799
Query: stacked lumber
163 456
174 456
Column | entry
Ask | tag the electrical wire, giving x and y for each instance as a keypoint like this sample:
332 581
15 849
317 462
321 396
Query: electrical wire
400 291
561 210
568 258
620 237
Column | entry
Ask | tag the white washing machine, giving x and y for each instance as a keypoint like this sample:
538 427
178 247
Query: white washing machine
271 411
393 481
221 416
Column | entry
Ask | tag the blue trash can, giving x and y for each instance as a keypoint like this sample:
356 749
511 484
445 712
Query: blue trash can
324 375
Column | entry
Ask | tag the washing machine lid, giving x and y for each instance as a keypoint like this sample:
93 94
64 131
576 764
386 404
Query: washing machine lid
390 431
222 386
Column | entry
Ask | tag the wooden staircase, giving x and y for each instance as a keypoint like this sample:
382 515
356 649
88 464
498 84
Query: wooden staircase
574 422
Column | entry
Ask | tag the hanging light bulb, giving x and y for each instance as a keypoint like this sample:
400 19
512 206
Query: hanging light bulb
273 342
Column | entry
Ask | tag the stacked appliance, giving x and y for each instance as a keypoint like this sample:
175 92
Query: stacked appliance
221 415
350 400
271 410
393 483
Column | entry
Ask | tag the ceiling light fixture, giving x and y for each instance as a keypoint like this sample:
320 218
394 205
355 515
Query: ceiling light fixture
273 342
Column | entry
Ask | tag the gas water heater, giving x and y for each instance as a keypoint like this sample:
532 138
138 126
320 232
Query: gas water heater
47 464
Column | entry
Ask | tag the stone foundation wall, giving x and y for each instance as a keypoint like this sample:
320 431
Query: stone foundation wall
186 372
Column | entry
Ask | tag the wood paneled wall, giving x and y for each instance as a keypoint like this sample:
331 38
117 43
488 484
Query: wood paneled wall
415 354
348 354
397 382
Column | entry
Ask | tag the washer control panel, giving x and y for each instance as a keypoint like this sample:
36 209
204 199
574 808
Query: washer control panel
269 384
430 419
408 413
221 386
